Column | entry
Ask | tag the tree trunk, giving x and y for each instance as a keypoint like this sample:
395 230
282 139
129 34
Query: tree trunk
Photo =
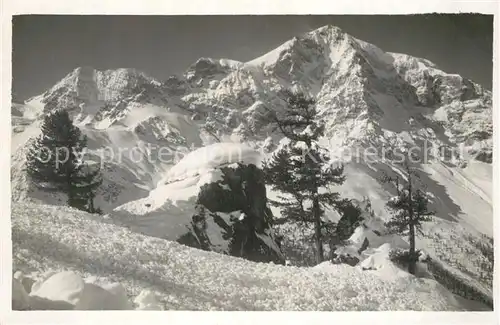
317 231
70 189
91 204
412 263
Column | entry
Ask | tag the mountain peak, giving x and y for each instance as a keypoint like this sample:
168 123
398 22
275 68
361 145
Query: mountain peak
305 47
83 70
206 67
88 85
86 72
326 29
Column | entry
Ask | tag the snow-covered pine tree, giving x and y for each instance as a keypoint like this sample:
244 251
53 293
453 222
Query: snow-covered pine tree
410 210
302 170
83 191
52 161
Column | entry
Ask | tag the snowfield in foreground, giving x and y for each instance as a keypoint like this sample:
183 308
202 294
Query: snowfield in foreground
49 238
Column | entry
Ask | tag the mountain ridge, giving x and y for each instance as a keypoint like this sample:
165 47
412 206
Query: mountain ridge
365 95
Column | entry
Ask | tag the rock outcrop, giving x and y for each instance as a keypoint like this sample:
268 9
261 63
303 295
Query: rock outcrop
213 199
241 195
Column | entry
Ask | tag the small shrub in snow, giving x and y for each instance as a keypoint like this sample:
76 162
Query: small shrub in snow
344 259
402 257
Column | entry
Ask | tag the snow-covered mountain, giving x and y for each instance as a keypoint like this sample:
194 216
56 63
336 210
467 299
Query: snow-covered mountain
368 98
365 94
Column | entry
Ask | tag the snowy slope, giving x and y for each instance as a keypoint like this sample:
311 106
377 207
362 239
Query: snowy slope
207 158
55 238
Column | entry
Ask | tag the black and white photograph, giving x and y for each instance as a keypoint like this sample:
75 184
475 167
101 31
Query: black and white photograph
252 162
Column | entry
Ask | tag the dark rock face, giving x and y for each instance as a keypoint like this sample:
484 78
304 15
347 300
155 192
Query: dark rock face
345 259
241 192
204 68
432 94
175 86
468 90
61 98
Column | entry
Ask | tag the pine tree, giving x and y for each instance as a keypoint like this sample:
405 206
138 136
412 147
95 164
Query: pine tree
52 161
301 169
83 191
410 210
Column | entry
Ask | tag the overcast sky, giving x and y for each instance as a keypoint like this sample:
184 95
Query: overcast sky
46 48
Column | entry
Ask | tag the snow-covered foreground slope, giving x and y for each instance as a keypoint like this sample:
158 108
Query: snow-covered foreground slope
55 238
